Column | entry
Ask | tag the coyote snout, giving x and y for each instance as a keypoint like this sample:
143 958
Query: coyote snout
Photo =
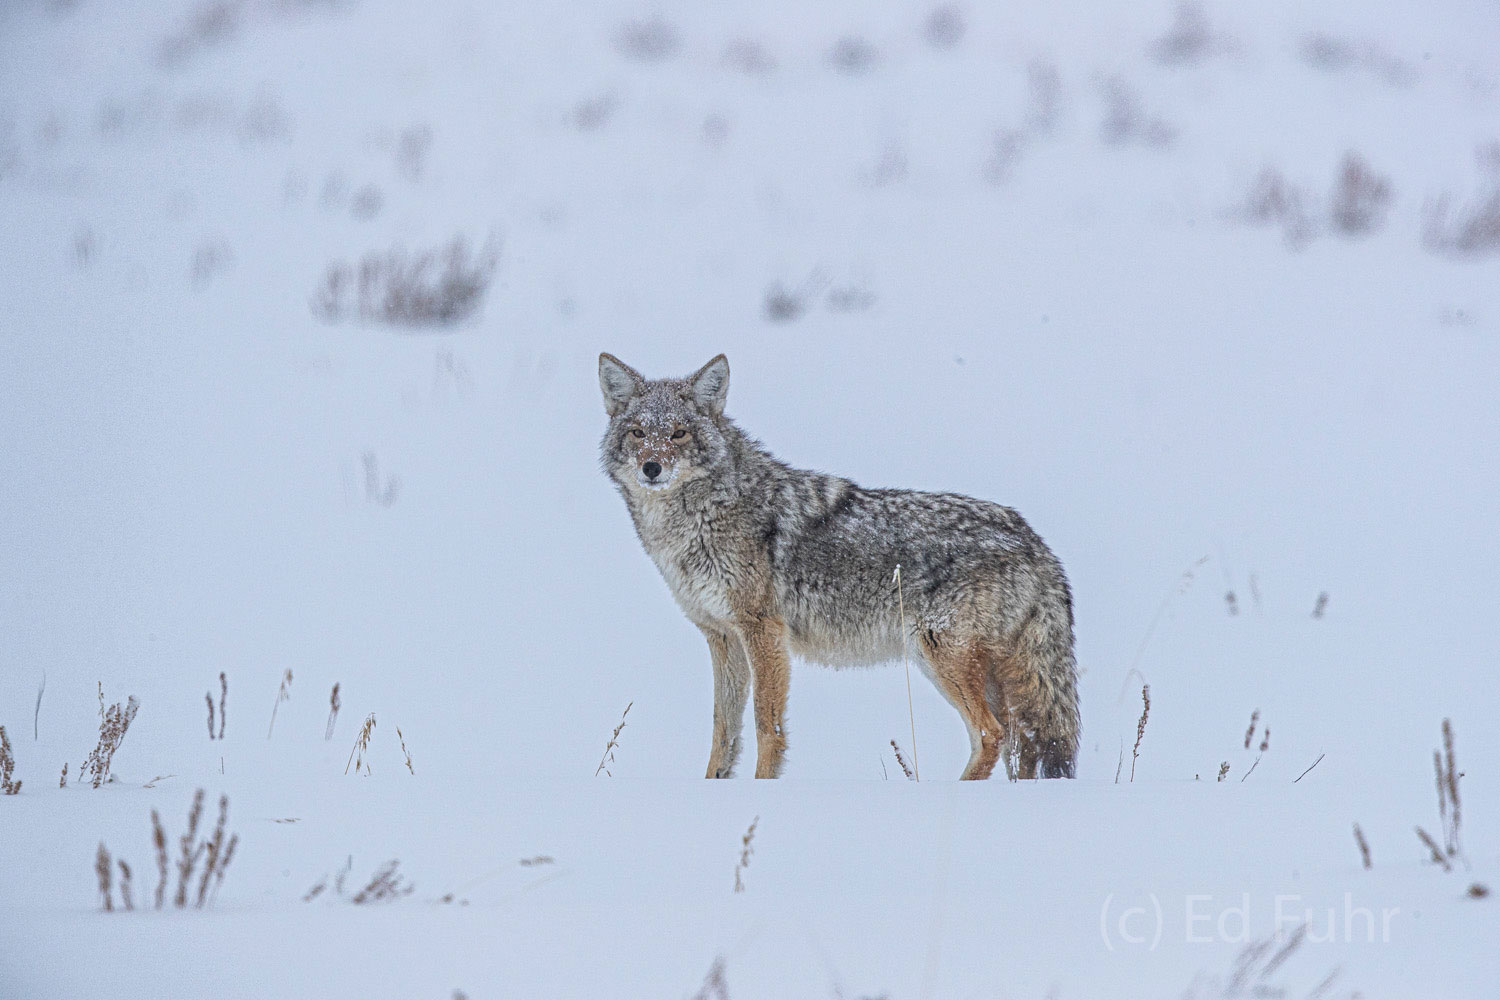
656 462
768 560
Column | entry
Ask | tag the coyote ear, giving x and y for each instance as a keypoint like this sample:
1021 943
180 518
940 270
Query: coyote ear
619 382
711 385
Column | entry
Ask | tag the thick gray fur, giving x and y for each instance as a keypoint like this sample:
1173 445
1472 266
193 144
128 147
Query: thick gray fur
768 560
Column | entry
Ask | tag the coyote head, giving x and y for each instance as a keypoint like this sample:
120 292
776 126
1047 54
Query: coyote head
662 433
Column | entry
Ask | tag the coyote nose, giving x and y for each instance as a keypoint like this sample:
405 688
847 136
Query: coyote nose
651 469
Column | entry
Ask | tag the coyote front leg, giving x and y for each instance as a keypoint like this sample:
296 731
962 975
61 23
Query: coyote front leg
731 686
770 665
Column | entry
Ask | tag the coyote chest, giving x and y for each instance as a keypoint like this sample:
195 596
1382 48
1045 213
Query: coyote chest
695 558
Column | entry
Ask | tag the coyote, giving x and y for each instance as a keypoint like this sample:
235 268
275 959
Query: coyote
768 560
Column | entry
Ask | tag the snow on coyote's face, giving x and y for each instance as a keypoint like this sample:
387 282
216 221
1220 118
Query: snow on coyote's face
662 433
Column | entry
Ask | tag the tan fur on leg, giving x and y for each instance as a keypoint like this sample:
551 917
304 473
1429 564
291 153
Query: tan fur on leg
770 664
963 672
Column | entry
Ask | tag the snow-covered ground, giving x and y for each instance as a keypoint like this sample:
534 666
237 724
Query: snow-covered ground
1004 249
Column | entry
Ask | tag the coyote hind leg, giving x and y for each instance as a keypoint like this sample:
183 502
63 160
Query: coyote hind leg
963 672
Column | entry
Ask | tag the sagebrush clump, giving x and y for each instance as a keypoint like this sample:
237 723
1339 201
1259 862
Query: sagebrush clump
1357 204
114 722
398 287
1360 198
1464 230
8 785
215 852
386 885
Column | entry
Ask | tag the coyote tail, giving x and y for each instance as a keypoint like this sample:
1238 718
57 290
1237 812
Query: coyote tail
1046 648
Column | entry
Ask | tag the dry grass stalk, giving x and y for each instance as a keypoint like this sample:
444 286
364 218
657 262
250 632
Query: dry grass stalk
1279 958
1265 741
1223 770
1183 585
385 885
1127 121
916 766
8 784
103 869
191 850
378 489
902 761
747 848
362 746
1450 808
1364 847
1478 890
1253 765
611 746
338 882
114 722
1140 727
1310 767
1442 793
715 986
1450 782
159 839
1320 606
221 864
283 693
63 781
1437 852
1253 971
1275 200
1250 733
333 713
1120 762
944 27
223 697
405 751
126 896
1470 230
1190 39
1360 197
214 848
653 39
36 712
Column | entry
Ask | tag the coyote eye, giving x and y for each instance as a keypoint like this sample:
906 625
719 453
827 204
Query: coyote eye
637 432
679 434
